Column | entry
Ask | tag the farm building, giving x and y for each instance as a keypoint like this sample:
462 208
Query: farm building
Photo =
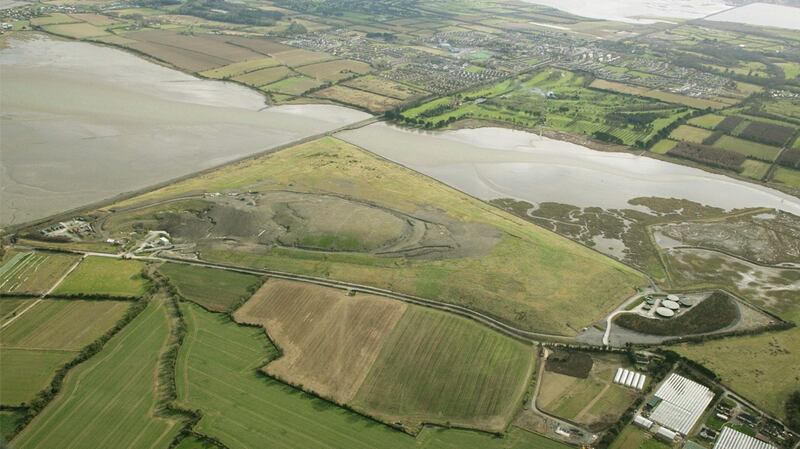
733 439
642 422
674 298
666 435
629 378
665 312
682 403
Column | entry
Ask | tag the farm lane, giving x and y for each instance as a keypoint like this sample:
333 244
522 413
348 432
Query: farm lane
47 293
527 336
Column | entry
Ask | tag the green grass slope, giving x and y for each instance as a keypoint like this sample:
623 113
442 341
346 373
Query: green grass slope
439 368
216 290
218 373
532 278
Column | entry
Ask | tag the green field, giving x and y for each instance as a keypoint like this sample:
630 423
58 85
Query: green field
218 373
33 272
787 176
632 437
46 336
216 290
104 276
416 364
10 306
556 99
8 422
25 372
750 149
691 134
295 85
238 68
524 274
62 324
763 368
754 169
663 146
708 121
109 400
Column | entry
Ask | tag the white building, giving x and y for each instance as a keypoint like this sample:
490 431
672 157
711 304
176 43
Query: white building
733 439
642 422
630 379
682 403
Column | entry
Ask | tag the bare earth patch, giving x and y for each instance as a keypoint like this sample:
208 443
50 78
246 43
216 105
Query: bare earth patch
329 340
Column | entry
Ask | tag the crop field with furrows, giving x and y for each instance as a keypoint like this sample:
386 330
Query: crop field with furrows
359 98
556 99
10 306
334 71
62 324
46 336
216 290
417 364
104 276
34 272
264 76
25 372
195 43
385 87
492 261
238 68
217 373
594 401
110 399
328 340
188 60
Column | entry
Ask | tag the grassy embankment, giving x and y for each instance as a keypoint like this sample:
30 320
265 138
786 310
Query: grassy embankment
531 278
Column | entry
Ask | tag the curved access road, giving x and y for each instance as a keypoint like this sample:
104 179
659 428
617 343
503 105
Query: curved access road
527 336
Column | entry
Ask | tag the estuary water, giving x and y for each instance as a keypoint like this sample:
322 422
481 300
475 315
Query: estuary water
762 14
80 123
637 11
494 163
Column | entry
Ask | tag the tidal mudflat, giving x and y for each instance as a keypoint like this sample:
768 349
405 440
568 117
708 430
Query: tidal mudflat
492 163
81 123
